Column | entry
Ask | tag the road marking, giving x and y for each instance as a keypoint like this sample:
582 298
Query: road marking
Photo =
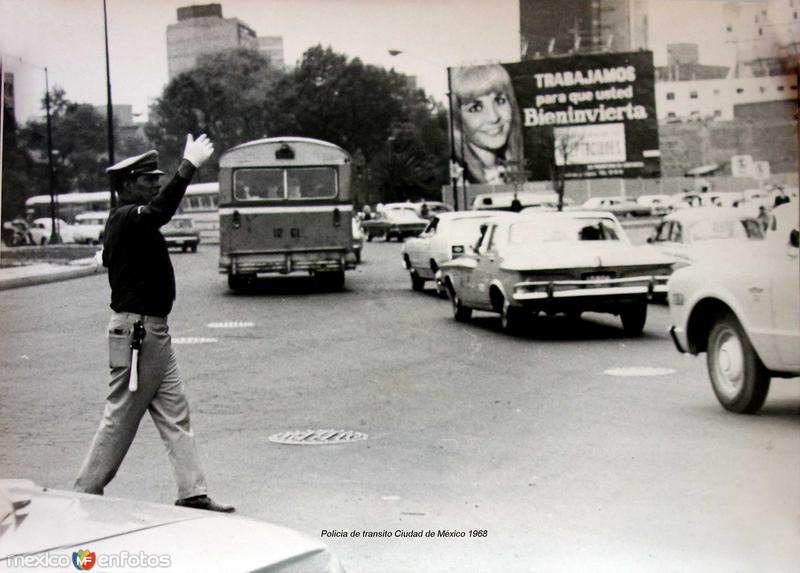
193 340
639 371
231 324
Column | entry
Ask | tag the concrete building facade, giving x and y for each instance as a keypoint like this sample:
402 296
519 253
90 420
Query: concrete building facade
202 30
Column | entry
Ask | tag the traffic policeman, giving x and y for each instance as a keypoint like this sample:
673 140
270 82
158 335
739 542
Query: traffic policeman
144 371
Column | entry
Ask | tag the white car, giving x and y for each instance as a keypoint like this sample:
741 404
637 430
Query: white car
43 528
620 206
447 236
90 226
742 308
569 262
783 219
658 204
689 235
40 231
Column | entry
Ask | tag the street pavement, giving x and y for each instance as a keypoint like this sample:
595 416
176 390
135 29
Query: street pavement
573 447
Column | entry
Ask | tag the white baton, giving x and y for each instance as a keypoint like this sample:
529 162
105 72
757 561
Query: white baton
136 343
133 381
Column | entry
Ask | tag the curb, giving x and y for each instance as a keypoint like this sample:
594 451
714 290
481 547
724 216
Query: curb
65 272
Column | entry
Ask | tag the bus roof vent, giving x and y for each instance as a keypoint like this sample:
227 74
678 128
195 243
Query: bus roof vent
285 151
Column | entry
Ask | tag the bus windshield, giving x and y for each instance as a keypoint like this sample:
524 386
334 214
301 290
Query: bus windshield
280 184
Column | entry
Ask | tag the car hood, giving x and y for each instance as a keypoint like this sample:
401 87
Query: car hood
60 522
589 254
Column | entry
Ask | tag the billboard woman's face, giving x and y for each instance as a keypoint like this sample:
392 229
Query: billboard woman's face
487 120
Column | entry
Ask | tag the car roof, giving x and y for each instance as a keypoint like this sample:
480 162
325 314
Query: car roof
473 214
694 214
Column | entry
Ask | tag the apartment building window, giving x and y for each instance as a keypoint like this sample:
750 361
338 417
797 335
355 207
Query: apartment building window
671 114
716 92
762 89
780 88
739 90
717 113
670 95
693 94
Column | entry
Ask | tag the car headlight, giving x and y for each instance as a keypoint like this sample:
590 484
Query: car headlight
676 298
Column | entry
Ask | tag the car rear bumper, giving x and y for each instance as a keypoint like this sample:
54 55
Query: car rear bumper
287 262
533 293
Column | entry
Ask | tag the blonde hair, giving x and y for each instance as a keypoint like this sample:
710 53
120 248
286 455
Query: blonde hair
467 84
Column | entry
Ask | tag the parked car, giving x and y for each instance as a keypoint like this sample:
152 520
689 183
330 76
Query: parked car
688 235
425 209
502 200
447 236
78 531
742 308
40 231
180 232
620 206
658 204
90 227
15 233
396 222
555 262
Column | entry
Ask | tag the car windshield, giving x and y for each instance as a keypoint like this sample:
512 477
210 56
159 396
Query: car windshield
401 214
710 230
181 223
563 231
465 229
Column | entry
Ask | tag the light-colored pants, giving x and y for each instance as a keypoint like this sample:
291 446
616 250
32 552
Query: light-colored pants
160 391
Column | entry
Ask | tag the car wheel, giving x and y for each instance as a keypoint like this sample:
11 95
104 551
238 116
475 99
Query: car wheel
43 241
417 282
236 282
369 237
460 312
184 248
633 318
332 280
512 318
358 256
193 248
739 378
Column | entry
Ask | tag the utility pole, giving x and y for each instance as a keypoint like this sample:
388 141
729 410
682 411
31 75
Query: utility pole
109 111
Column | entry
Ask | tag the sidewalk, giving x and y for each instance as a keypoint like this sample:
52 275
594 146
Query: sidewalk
39 273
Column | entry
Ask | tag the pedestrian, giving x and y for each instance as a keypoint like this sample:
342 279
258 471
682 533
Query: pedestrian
763 217
487 127
142 293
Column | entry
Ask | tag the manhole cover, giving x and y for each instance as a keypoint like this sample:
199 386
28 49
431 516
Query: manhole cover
316 437
639 371
193 340
231 324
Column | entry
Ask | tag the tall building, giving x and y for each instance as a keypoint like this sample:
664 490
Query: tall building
8 92
559 27
764 37
201 30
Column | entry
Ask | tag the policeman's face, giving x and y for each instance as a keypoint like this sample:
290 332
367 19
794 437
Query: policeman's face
142 189
487 120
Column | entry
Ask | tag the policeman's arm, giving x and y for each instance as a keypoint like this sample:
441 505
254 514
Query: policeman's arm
163 206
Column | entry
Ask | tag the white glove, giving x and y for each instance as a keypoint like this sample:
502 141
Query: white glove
198 150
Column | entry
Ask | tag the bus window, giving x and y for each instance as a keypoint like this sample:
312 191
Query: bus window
312 183
257 184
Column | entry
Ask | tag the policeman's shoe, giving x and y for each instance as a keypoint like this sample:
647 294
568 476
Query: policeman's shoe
204 502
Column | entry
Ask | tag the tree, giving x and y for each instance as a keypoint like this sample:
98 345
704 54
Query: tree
18 168
227 96
372 113
80 153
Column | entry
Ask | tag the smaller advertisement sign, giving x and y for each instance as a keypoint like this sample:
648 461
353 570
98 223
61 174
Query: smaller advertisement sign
590 144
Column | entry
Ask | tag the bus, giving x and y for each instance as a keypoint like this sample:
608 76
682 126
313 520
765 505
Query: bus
200 203
286 206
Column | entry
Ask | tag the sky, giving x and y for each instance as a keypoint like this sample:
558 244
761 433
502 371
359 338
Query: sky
66 36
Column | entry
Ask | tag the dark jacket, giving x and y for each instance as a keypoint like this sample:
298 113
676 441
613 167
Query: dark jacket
139 269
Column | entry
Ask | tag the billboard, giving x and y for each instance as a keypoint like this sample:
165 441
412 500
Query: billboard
585 116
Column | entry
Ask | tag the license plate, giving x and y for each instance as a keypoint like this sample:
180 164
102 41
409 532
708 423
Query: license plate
597 277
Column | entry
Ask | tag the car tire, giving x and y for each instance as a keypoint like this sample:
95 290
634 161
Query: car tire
184 248
358 256
633 318
238 282
512 319
331 280
193 248
739 378
460 312
417 282
369 237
